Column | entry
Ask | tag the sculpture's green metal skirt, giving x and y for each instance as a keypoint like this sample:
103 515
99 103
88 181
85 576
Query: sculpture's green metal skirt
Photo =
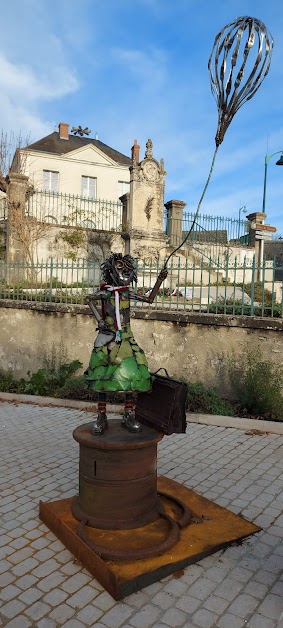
119 366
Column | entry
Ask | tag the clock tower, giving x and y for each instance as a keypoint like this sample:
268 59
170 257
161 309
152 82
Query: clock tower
145 207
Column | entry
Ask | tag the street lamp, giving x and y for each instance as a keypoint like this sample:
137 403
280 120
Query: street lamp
278 163
244 211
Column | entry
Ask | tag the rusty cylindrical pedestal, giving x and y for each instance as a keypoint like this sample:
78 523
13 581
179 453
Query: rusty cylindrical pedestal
118 477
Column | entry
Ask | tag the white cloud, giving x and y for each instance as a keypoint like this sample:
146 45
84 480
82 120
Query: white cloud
23 91
21 81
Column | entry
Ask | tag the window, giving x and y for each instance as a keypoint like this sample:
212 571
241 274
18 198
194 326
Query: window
89 187
123 187
50 181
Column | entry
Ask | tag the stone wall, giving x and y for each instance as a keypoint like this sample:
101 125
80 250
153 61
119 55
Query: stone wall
191 346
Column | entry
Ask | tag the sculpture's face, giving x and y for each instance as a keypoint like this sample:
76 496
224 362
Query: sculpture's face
118 270
123 272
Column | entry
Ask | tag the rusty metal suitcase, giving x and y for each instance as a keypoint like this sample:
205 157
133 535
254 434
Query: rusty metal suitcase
164 408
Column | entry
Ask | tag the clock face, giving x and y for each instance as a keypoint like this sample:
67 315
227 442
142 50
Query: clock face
151 172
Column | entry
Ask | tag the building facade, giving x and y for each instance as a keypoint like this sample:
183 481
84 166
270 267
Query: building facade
64 163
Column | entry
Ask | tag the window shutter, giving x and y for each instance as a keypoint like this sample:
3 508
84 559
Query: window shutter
89 187
50 181
46 180
92 187
84 187
54 183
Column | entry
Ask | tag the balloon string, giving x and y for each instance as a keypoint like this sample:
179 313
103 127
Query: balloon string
198 208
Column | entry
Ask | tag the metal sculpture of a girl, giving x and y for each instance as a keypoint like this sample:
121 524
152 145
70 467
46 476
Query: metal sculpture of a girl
117 363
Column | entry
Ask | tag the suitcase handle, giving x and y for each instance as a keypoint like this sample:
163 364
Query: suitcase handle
162 368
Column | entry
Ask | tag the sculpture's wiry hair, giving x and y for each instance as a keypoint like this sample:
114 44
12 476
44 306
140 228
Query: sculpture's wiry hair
108 267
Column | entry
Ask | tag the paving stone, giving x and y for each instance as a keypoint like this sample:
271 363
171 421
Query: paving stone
37 610
187 603
21 555
204 618
89 614
26 581
230 621
138 599
119 614
12 609
9 592
62 613
19 622
228 589
202 588
173 617
82 597
104 601
216 604
176 587
46 623
265 577
75 582
243 605
30 596
25 566
5 579
52 581
271 607
55 597
162 599
259 621
48 567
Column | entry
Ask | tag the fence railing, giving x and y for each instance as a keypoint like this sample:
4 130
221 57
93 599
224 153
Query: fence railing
71 210
230 288
3 208
207 229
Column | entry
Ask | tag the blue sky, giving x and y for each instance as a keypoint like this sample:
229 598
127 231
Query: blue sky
134 69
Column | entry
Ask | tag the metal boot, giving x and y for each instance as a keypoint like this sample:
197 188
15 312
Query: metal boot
130 422
100 424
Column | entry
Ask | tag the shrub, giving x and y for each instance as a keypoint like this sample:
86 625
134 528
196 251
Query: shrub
207 400
46 381
258 385
7 381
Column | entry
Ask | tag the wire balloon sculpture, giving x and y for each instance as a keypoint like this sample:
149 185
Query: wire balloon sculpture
242 42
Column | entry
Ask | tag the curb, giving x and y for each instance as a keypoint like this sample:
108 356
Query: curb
75 404
270 427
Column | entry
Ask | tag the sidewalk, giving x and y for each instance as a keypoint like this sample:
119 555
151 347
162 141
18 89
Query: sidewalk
42 585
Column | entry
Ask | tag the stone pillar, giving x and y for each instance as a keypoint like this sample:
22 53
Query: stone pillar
145 218
259 218
16 198
175 221
125 200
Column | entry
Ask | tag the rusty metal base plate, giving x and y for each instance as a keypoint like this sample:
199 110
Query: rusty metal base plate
217 528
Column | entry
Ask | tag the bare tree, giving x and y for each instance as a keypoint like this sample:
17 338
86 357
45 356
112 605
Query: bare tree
12 158
24 231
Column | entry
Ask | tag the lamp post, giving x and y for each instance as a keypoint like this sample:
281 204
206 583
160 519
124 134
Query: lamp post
278 163
244 211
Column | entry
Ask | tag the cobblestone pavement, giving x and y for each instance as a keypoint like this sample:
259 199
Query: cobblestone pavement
41 584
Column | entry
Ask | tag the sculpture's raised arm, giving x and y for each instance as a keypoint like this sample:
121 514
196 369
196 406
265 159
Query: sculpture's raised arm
161 277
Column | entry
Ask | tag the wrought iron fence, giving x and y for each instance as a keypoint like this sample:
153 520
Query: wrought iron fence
230 288
75 211
217 230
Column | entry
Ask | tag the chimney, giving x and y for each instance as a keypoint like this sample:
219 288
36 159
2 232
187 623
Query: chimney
63 131
135 152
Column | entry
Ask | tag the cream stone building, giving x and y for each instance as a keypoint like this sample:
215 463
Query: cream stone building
72 164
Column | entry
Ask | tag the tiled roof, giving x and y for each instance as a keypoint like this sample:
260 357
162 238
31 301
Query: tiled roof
53 144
